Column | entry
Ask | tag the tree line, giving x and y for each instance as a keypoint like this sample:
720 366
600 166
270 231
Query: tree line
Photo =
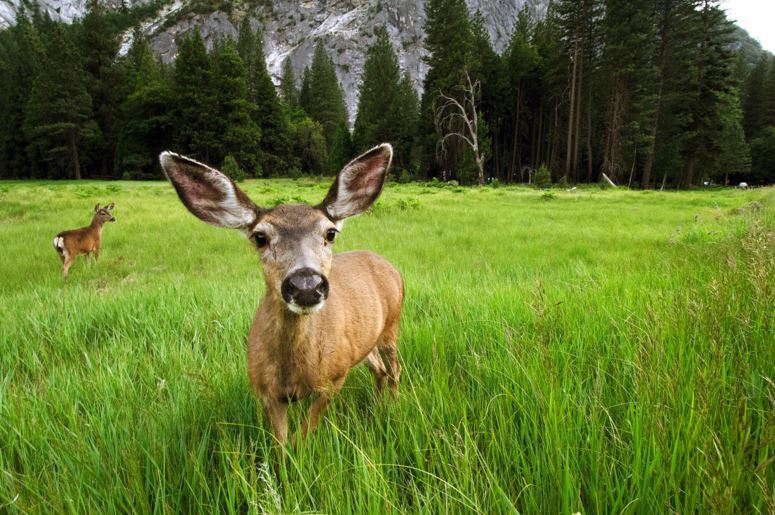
650 93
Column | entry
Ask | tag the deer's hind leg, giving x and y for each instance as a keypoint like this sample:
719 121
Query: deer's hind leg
388 350
374 362
67 262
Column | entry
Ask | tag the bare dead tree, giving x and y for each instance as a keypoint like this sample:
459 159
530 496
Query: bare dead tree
460 119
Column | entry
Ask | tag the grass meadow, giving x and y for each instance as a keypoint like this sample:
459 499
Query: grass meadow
588 351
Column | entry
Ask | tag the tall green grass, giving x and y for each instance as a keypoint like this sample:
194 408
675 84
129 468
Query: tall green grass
594 352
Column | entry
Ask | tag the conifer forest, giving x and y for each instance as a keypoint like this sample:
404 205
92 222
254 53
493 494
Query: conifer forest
652 94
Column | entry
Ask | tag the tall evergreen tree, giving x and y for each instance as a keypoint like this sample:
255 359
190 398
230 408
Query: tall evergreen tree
59 120
379 118
23 63
754 98
289 91
97 45
145 122
233 118
448 42
195 133
629 31
519 75
271 118
407 107
711 69
321 96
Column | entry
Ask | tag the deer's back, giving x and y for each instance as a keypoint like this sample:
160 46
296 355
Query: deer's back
83 239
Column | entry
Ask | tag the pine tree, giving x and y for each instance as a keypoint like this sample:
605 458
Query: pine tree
321 96
23 63
97 47
448 42
754 98
195 134
342 149
629 31
233 118
59 120
768 106
672 56
519 74
309 145
711 67
289 91
407 107
145 122
734 156
378 116
268 114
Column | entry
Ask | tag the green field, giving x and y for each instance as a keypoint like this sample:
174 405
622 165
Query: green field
586 351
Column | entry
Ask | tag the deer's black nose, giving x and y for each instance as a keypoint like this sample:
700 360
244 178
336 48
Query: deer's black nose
305 287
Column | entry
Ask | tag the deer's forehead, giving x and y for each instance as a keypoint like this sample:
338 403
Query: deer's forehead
294 219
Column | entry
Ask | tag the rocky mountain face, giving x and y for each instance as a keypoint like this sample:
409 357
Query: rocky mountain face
292 28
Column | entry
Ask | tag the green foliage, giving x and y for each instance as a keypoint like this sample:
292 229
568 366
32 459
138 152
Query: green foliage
270 117
232 169
289 91
387 105
309 145
448 41
763 156
59 121
237 132
542 178
321 95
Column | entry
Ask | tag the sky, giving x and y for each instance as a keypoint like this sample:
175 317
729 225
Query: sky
755 16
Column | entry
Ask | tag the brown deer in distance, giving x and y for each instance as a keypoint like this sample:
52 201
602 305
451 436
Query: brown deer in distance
86 240
322 314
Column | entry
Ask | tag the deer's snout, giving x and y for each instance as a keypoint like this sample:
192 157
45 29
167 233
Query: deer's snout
304 288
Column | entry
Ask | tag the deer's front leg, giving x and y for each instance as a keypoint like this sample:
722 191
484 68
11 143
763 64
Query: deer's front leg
277 413
319 405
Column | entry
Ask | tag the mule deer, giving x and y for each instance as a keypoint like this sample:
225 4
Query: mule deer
86 240
322 314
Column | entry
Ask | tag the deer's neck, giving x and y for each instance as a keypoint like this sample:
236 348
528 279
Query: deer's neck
96 225
294 334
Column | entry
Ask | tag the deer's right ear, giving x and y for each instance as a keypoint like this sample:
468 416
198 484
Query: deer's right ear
208 194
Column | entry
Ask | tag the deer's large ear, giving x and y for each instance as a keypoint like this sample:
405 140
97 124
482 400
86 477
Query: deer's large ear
110 206
358 184
209 194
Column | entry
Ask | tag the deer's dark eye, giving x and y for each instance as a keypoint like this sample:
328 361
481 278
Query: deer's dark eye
331 235
260 239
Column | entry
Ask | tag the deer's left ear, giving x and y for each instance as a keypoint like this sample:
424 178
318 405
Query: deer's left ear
208 194
110 206
358 184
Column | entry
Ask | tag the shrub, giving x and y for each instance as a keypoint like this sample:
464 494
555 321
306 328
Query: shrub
542 179
232 169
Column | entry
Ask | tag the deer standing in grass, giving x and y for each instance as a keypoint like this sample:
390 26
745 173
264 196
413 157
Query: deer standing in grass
86 240
322 313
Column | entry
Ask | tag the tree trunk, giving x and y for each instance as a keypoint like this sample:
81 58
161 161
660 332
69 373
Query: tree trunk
571 112
688 181
589 133
577 130
74 155
515 141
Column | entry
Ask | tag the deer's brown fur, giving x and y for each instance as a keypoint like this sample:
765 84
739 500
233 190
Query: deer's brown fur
86 240
346 307
291 357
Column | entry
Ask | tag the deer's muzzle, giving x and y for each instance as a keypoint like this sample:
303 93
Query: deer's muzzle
304 288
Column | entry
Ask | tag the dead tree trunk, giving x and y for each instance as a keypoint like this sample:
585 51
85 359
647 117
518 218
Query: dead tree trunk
460 119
